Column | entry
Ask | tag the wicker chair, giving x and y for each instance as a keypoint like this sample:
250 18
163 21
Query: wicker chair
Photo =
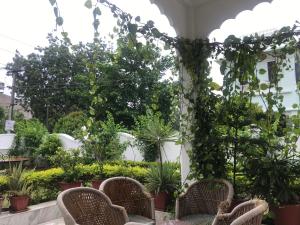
247 213
130 194
203 200
87 206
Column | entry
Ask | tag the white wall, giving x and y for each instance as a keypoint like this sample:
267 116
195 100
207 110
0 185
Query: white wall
6 142
68 142
132 152
288 83
170 152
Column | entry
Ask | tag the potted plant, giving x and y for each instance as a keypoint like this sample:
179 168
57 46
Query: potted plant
68 161
162 183
151 129
19 189
273 170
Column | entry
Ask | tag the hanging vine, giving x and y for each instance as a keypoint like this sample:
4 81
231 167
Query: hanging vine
228 126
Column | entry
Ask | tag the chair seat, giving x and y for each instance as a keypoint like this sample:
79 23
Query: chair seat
198 219
140 219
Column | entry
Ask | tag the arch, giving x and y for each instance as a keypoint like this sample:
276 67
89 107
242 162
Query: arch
236 23
194 19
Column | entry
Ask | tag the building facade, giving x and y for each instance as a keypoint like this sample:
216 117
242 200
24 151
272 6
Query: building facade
291 77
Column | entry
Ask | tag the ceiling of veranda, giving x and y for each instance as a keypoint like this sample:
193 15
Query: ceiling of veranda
197 18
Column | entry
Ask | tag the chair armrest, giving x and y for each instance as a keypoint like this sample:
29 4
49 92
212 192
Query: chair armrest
119 214
228 218
180 206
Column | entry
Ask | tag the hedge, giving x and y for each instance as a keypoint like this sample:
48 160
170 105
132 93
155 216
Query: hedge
50 177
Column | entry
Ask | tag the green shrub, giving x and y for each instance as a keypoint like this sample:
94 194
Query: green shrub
71 124
2 120
68 160
102 140
50 144
44 177
3 183
29 134
165 179
44 182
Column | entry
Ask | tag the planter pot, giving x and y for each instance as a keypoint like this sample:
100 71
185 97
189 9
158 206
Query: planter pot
96 184
287 215
161 200
64 185
18 203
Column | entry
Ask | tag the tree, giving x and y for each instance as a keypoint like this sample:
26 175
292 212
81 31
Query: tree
55 81
52 82
128 85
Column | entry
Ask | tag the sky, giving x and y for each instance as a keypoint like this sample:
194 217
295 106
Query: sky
25 24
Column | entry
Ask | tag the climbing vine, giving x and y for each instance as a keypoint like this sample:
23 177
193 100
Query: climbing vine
230 127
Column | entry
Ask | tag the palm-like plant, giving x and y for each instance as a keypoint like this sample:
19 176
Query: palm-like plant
153 130
18 186
166 179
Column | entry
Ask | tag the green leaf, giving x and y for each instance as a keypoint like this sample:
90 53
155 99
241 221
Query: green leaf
96 24
88 4
132 28
55 11
138 19
52 2
264 86
59 21
262 71
295 106
96 12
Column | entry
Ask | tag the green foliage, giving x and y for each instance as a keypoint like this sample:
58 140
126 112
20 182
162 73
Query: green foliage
71 124
68 161
2 119
213 123
17 185
151 132
50 144
167 179
102 141
56 79
47 179
29 134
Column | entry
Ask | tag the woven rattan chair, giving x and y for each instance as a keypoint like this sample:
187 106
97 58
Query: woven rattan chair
247 213
203 200
87 206
132 195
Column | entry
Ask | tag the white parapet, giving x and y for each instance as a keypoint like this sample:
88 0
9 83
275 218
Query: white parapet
132 151
68 142
6 143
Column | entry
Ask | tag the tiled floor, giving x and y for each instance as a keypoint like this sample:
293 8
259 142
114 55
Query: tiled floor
54 222
160 216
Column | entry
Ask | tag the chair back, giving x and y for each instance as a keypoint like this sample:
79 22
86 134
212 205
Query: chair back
130 194
87 206
205 196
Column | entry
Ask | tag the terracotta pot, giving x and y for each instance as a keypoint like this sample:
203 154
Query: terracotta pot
161 200
64 185
18 203
96 184
287 215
